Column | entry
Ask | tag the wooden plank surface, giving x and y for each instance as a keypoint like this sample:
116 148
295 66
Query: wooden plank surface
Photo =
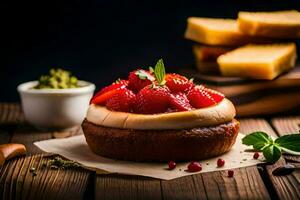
16 181
287 187
19 183
11 113
287 125
10 116
126 187
251 125
246 183
188 187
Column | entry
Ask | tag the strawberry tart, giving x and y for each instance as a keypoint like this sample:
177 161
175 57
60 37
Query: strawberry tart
154 116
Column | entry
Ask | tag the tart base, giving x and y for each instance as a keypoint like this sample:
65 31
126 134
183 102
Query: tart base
161 145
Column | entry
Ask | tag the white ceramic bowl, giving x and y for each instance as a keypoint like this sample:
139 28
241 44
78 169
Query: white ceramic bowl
55 108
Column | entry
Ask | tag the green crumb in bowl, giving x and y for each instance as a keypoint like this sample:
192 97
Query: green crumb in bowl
57 79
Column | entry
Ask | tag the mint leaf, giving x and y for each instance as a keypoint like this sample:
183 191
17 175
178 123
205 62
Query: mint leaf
272 149
260 146
160 72
272 153
257 137
290 142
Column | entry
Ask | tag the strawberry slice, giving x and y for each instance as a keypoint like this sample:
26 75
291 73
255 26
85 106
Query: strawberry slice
113 86
122 100
139 79
177 83
102 98
180 102
199 98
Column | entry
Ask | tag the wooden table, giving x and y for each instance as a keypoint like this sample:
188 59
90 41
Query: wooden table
256 182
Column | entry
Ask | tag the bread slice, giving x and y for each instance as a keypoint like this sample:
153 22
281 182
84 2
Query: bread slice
258 61
213 31
206 57
279 24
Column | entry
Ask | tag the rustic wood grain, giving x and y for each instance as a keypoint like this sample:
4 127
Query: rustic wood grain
287 187
18 182
4 112
188 187
246 184
251 125
286 125
9 117
27 135
11 113
126 187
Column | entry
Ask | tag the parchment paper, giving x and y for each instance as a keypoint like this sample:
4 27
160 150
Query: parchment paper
76 149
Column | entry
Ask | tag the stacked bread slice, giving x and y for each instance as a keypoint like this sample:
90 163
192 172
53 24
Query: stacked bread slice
267 57
279 24
258 61
221 32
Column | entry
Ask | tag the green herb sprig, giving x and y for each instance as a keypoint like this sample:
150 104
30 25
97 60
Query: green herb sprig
54 164
160 72
60 163
272 149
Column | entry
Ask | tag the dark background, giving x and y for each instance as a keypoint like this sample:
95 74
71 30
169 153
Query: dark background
100 41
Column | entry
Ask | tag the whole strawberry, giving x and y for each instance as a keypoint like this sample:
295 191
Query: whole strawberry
138 79
122 101
152 99
199 98
178 83
180 102
217 96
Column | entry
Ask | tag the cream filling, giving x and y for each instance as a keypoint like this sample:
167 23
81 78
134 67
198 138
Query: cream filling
221 113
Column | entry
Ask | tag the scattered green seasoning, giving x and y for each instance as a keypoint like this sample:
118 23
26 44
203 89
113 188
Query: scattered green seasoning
59 163
271 149
56 163
57 79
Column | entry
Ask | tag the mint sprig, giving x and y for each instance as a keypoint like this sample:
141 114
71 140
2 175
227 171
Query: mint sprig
160 72
271 149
